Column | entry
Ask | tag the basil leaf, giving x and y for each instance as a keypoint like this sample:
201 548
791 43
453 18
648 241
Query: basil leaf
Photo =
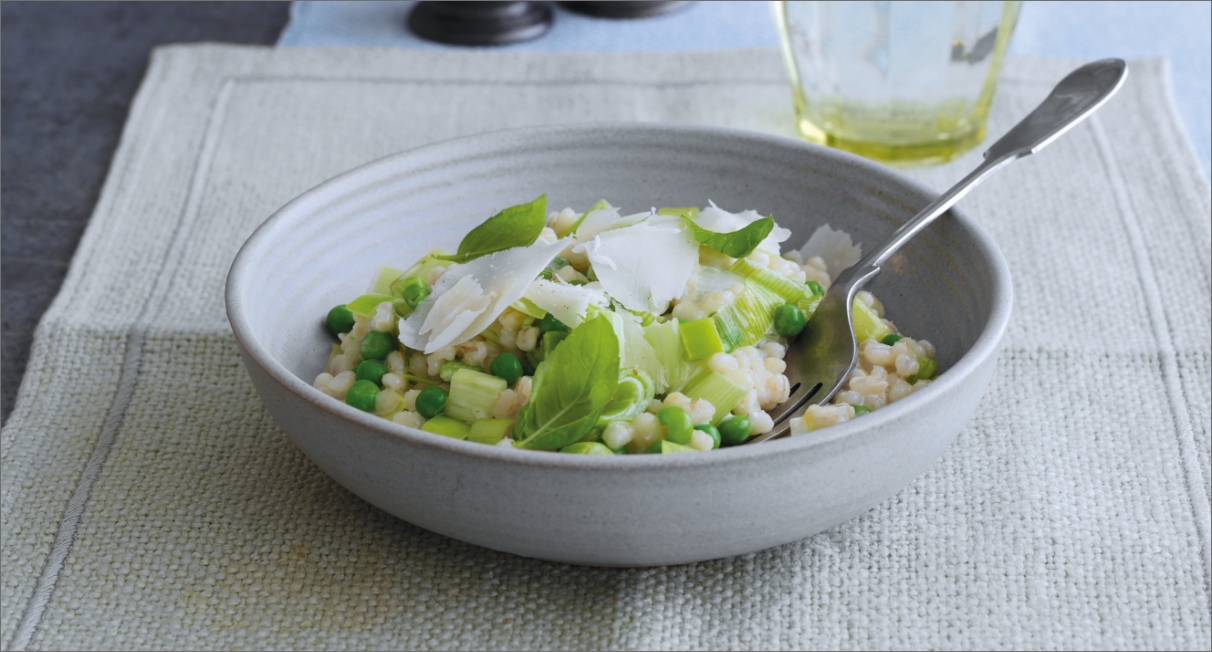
737 244
571 388
516 226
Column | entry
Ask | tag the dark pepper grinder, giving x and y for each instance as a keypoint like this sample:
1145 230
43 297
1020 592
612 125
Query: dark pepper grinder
621 9
480 23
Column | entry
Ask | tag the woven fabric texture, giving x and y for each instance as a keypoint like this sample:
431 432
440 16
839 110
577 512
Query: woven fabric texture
148 500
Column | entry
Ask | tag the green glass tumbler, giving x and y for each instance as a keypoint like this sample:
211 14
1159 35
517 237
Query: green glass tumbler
905 83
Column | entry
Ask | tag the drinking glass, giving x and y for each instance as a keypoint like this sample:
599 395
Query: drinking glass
899 82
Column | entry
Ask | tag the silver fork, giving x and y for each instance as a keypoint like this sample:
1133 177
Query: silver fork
820 360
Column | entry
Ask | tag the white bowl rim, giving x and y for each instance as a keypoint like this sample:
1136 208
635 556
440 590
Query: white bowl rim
987 343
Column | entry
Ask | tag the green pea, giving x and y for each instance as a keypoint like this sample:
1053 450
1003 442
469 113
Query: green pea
546 274
371 370
577 281
507 367
558 263
711 430
431 401
890 339
362 395
376 345
678 424
549 323
815 288
788 320
339 320
734 430
860 410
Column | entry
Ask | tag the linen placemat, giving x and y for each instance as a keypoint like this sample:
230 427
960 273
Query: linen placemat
148 500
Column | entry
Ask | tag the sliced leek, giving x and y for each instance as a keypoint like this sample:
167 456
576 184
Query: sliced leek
365 305
796 294
667 345
447 427
700 339
384 277
746 321
867 324
528 308
449 368
490 431
634 393
472 395
718 390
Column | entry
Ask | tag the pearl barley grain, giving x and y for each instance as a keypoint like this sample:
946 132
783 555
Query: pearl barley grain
394 382
702 441
339 386
395 362
617 435
906 366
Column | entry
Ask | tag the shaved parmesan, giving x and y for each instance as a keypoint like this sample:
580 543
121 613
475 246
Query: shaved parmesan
714 218
469 297
604 220
567 303
455 309
834 246
643 267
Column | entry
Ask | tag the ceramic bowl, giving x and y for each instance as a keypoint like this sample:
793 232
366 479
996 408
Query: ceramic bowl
950 286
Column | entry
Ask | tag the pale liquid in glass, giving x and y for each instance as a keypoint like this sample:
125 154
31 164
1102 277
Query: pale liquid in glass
899 82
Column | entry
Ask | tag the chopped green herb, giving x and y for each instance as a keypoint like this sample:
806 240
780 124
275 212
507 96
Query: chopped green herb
737 244
549 323
516 226
571 388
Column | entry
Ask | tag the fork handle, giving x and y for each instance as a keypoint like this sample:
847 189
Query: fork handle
1075 97
1071 101
855 277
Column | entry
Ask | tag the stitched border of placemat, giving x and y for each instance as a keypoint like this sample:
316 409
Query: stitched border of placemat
170 265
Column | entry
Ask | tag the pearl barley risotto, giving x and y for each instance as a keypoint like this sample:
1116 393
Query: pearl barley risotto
595 332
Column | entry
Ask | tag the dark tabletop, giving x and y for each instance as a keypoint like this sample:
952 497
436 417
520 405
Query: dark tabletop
70 71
